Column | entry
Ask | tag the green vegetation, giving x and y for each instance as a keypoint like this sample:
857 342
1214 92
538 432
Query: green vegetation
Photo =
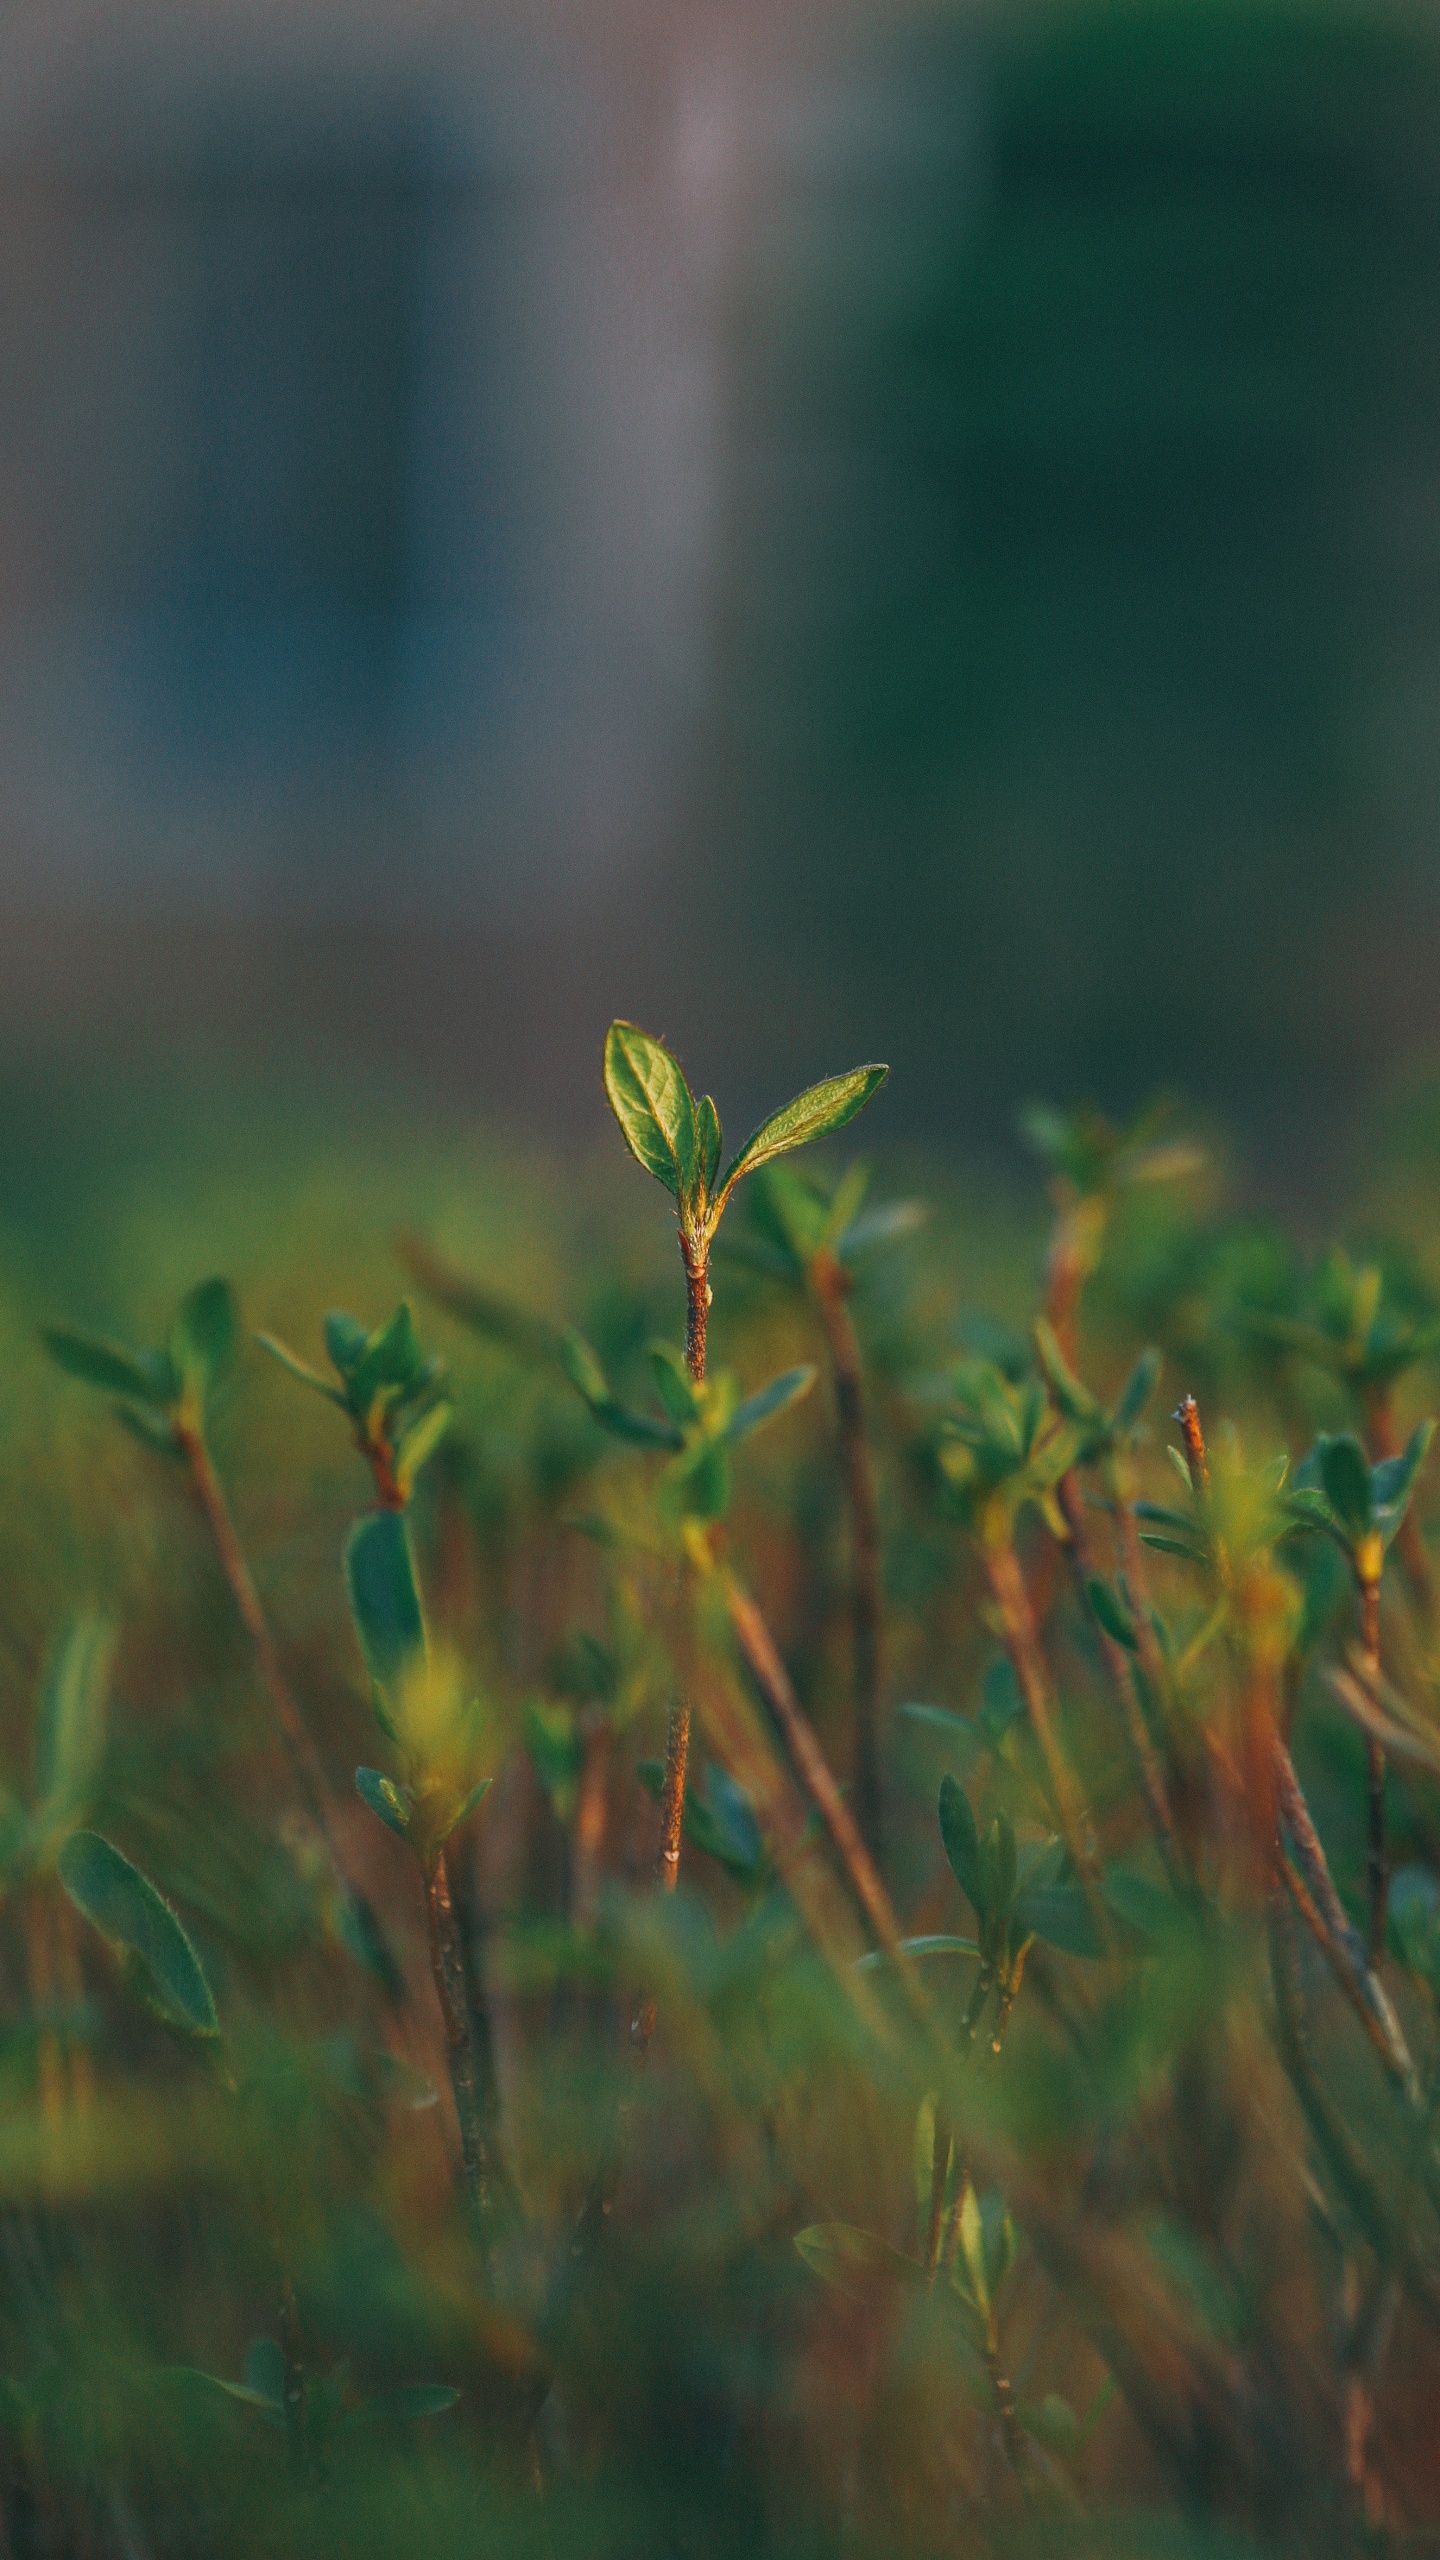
745 1910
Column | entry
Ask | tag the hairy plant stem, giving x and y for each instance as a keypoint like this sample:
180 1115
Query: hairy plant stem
315 1789
1122 1681
448 1968
830 1287
1377 1864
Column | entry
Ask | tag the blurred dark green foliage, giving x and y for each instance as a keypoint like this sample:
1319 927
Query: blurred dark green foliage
1168 2159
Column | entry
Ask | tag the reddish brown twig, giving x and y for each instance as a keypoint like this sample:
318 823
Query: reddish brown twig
759 1651
1022 1645
305 1761
830 1285
1122 1679
448 1968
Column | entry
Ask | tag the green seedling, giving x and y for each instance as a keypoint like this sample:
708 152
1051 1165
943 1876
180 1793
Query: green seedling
678 1140
164 1397
442 1738
387 1388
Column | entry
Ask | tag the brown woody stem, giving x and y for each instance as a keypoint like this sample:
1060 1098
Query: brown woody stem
1377 1864
831 1287
448 1967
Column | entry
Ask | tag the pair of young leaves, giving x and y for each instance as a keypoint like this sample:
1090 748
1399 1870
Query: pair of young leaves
702 1422
679 1141
159 1393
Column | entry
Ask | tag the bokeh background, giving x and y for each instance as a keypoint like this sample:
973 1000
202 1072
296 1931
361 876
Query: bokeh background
894 530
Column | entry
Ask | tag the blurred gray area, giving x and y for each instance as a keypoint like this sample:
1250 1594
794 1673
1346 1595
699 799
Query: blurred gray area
907 533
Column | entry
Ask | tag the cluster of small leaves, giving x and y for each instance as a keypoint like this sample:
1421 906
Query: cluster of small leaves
699 1424
387 1386
999 1445
160 1394
794 1220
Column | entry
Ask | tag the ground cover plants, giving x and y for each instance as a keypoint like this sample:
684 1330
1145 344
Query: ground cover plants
783 1899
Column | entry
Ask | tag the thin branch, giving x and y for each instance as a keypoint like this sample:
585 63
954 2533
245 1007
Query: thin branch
813 1770
305 1761
1122 1680
1343 1944
1022 1644
447 1966
830 1283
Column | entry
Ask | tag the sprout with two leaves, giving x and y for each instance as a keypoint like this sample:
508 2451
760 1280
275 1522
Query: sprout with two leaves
678 1140
388 1389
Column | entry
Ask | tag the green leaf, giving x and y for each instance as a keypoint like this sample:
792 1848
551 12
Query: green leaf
1061 1915
299 1368
817 1113
1136 1393
709 1141
401 2407
651 1100
919 1950
1110 1612
132 1918
392 1360
393 1804
673 1384
961 1841
264 2370
590 1382
1072 1397
346 1340
70 1724
147 1376
467 1805
884 1224
999 1865
187 2375
384 1599
1345 1475
854 2261
202 1338
1393 1481
972 2247
764 1406
419 1443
